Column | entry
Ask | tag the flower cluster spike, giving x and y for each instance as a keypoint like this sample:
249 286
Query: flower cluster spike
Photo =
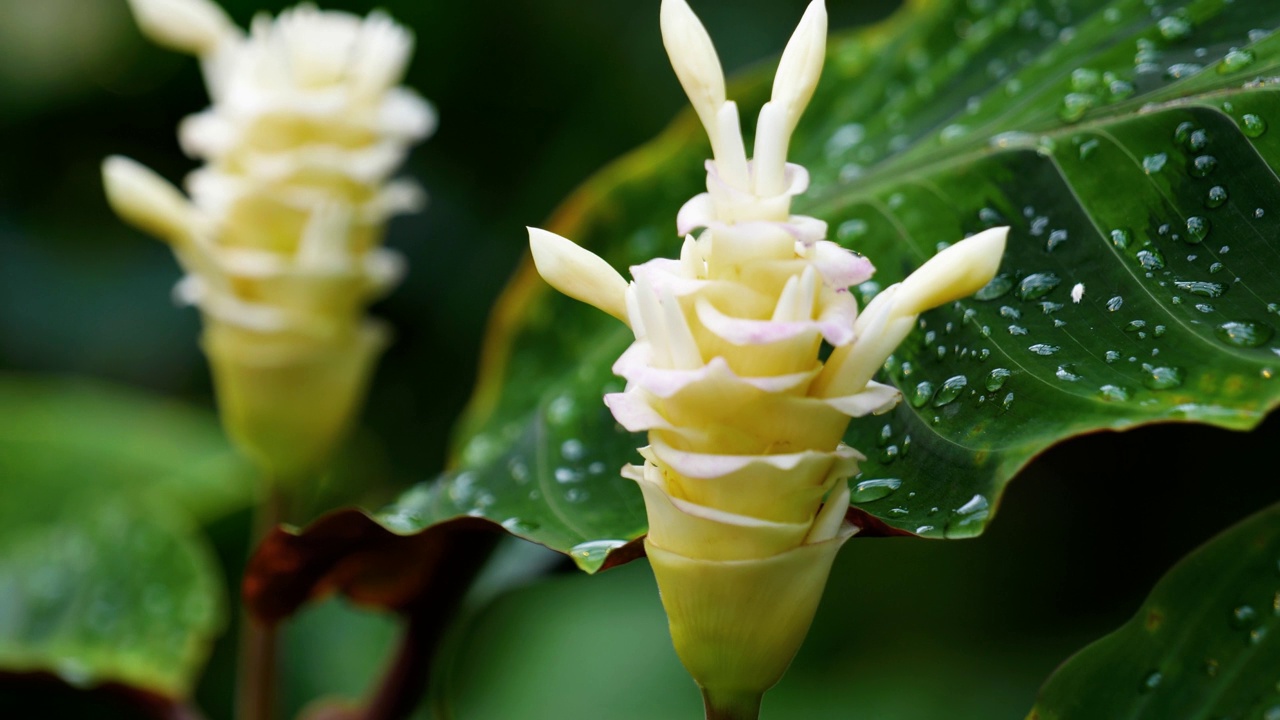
280 236
745 475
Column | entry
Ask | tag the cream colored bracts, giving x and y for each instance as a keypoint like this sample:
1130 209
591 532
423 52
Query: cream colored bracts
744 478
280 237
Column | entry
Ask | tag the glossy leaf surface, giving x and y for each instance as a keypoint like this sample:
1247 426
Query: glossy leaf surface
1205 644
105 575
1127 145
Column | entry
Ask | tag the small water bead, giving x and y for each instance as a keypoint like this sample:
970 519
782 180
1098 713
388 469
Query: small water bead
1202 165
561 410
998 287
1215 267
573 450
996 378
1114 393
1067 373
1088 147
1204 308
1243 617
1056 238
1044 349
886 434
1258 213
1154 163
1177 71
1183 132
1049 308
950 390
576 495
520 526
1039 225
851 229
597 468
1007 402
1120 89
1236 60
1017 330
565 475
1112 356
1173 27
1253 125
1151 681
888 455
1197 229
1010 313
1216 198
1135 325
875 489
1115 303
519 471
1083 79
1151 259
923 393
1160 330
1075 105
1120 237
1244 333
1197 140
1162 378
1202 288
1037 285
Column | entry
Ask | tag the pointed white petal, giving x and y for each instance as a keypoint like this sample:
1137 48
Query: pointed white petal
695 61
801 63
578 273
147 201
956 272
191 26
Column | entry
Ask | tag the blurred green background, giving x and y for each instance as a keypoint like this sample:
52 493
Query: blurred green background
533 97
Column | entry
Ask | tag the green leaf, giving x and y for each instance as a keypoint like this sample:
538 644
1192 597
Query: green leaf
1205 644
105 574
1128 149
110 593
112 442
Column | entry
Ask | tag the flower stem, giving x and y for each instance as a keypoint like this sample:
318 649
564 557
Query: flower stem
256 684
731 706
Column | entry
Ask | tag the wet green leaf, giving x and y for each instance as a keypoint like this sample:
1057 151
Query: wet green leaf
108 593
1205 644
105 575
1127 146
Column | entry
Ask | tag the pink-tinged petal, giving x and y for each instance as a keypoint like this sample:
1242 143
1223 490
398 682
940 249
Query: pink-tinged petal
698 212
837 312
632 411
666 383
806 230
797 179
839 267
875 399
666 273
744 331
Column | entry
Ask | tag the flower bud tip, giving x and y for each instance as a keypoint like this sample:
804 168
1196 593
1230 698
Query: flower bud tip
578 272
190 26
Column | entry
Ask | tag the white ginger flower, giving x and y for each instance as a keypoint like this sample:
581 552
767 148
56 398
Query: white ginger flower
745 476
281 235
